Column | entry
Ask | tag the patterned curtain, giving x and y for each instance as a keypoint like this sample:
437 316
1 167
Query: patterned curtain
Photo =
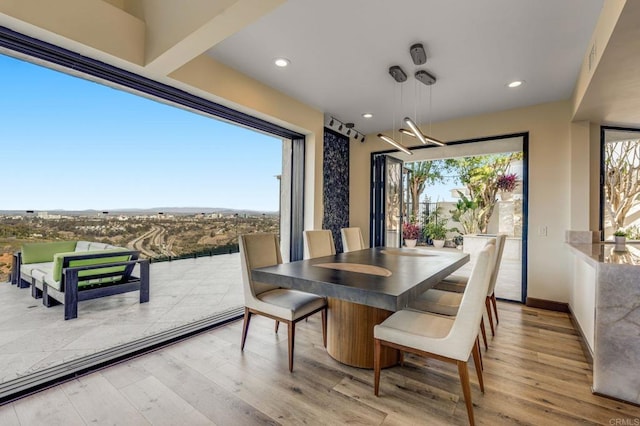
336 184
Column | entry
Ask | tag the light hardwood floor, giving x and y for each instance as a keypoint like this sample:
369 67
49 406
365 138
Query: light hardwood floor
534 372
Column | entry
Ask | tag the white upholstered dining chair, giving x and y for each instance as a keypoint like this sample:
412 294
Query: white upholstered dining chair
281 304
352 239
444 295
319 243
450 339
447 303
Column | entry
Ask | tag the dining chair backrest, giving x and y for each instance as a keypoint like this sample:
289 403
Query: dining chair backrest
257 251
497 259
319 243
467 321
352 239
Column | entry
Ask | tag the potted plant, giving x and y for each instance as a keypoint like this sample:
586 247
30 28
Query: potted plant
410 233
506 183
437 232
436 229
620 237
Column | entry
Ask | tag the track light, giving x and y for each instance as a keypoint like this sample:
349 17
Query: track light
362 140
394 143
346 129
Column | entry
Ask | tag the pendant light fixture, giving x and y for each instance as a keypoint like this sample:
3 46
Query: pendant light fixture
419 57
415 132
428 80
394 143
399 76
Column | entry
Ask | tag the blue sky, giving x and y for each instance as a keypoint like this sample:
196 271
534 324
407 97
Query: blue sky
68 143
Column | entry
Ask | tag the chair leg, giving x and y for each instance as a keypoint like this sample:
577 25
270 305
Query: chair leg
495 306
277 325
245 327
479 352
324 327
376 366
466 389
487 303
484 334
477 361
292 335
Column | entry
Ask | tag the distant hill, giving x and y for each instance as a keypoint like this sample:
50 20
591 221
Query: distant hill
151 211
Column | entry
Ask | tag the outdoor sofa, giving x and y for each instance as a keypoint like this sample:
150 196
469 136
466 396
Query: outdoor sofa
70 271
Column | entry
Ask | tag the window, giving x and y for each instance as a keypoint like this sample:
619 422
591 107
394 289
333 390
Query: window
288 181
620 182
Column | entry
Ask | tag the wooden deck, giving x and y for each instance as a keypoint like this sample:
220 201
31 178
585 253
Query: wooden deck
534 371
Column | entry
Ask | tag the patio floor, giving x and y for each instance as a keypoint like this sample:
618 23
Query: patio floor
33 337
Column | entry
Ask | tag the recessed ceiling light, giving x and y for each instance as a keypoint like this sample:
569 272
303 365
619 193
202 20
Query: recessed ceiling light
281 62
516 83
367 115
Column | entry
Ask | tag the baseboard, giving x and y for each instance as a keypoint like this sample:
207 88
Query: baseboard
549 305
583 340
617 399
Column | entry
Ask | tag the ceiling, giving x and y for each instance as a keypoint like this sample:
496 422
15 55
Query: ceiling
340 52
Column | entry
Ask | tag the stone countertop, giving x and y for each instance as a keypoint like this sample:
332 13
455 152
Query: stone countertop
616 352
609 253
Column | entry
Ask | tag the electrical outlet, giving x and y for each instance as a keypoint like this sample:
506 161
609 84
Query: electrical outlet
542 231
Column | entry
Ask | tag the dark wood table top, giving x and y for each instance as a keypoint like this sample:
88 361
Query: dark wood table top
397 276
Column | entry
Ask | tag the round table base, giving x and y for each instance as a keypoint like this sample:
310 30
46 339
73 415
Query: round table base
350 334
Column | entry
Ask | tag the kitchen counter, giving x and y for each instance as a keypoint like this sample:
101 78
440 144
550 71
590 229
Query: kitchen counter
609 253
606 298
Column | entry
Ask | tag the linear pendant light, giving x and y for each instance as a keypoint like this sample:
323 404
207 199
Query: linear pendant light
415 130
425 137
394 143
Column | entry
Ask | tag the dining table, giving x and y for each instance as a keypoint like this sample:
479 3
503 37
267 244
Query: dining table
363 288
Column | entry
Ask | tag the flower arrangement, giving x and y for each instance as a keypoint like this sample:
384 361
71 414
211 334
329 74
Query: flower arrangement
410 231
507 182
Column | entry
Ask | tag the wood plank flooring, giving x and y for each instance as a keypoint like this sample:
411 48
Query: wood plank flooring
534 371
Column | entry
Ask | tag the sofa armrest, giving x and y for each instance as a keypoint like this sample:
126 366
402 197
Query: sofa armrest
15 268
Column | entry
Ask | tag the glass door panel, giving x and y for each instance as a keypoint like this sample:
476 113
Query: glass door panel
393 201
386 201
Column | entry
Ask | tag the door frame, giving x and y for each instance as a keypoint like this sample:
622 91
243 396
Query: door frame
525 192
